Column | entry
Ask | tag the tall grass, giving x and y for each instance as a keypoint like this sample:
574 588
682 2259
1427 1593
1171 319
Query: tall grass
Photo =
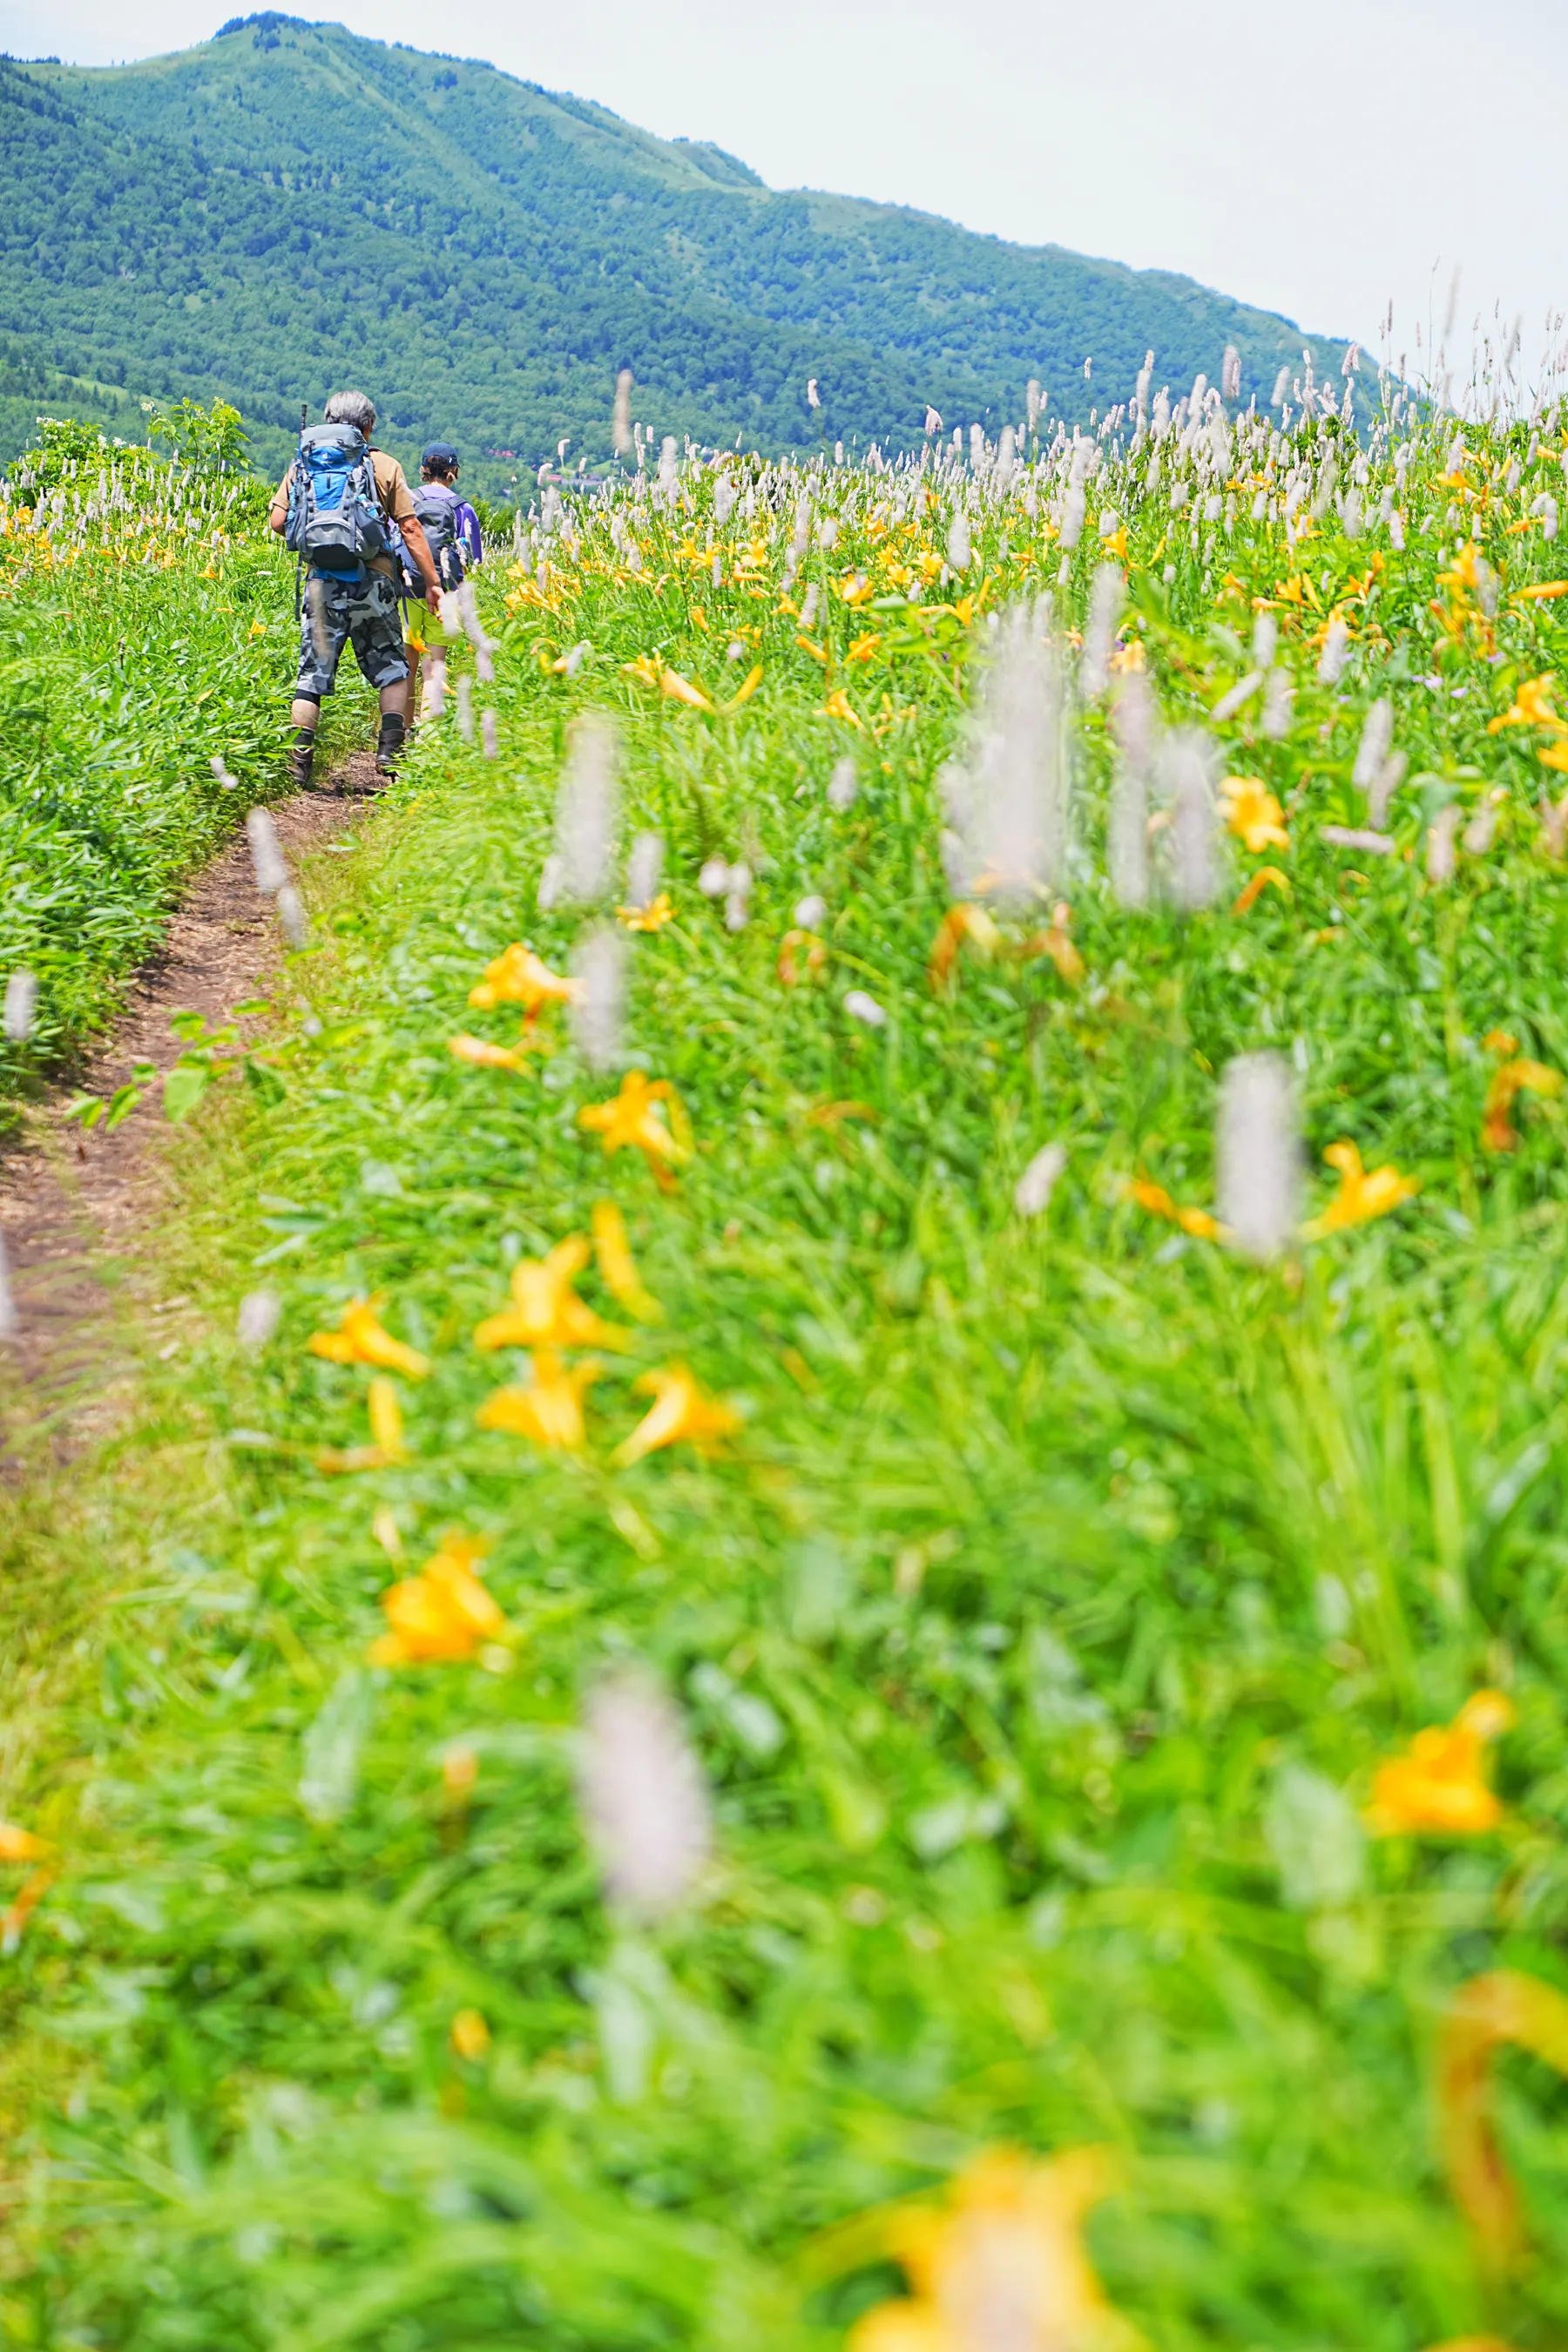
1042 1626
144 633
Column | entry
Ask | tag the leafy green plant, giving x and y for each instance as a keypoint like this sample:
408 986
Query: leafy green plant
213 437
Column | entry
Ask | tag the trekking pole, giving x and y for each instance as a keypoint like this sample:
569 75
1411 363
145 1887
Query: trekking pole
300 565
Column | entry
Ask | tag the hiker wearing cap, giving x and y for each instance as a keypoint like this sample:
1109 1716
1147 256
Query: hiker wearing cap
346 509
452 534
451 526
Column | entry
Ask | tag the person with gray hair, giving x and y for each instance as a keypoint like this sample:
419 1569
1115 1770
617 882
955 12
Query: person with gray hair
355 408
343 507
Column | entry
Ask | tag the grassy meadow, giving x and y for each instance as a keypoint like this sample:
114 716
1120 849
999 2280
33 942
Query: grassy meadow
141 636
778 1661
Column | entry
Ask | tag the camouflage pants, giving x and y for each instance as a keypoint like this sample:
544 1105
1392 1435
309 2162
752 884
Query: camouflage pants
336 613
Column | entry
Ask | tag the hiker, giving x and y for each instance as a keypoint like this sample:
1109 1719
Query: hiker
451 526
347 511
452 534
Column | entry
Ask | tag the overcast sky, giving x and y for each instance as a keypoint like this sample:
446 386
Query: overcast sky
1315 160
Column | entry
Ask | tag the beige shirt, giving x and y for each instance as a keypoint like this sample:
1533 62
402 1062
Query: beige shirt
393 495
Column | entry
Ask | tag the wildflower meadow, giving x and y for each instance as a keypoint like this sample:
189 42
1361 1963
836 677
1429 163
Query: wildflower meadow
138 710
837 1622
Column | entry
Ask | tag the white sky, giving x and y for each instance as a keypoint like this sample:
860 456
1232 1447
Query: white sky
1314 160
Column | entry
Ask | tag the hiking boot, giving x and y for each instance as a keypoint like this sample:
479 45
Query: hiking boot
301 758
391 744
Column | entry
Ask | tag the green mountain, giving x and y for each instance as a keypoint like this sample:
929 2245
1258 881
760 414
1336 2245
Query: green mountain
289 206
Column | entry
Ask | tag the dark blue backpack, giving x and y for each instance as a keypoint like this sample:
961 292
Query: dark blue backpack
436 504
335 523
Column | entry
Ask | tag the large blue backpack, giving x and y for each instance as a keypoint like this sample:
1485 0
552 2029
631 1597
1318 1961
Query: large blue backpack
334 522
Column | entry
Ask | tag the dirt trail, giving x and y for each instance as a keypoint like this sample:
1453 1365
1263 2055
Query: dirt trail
72 1202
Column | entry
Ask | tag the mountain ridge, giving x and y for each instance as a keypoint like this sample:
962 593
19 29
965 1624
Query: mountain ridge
290 204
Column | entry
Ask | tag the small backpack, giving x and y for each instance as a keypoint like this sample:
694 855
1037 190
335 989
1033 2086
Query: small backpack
436 504
335 523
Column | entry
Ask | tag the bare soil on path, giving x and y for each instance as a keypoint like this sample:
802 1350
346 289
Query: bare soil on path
75 1202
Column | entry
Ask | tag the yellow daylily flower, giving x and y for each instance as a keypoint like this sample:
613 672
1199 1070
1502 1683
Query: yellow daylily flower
864 648
1252 811
387 1449
681 1413
1159 1204
441 1615
960 923
1489 2012
855 589
520 977
618 1268
21 1845
792 947
1464 578
1363 1194
648 669
1004 2252
1055 943
681 689
1437 1784
748 687
550 1412
470 2035
1498 1131
360 1340
483 1055
652 917
1248 897
838 706
629 1122
386 1420
1531 707
545 1311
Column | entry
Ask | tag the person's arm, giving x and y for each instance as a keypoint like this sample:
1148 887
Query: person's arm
278 519
418 547
399 507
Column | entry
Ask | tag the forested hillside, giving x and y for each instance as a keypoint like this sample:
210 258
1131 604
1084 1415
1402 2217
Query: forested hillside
290 204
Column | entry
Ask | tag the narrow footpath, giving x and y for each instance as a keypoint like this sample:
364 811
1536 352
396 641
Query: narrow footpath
73 1200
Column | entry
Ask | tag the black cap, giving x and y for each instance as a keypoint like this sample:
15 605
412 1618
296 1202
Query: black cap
439 453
